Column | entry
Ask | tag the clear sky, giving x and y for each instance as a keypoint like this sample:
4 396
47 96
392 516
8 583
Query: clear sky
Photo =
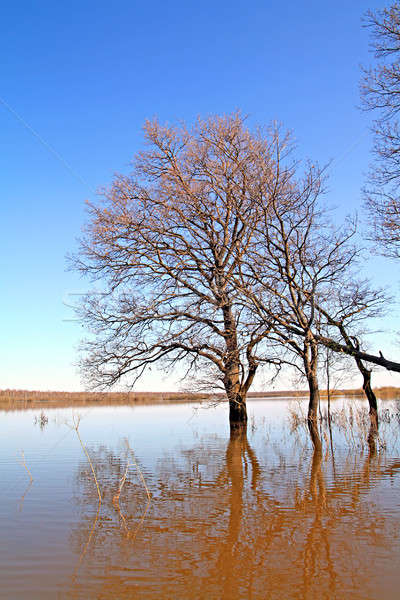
78 79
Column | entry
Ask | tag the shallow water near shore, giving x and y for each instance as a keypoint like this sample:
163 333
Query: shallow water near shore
188 511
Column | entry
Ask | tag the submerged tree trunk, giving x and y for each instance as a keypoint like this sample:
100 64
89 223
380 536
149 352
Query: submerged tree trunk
314 434
373 411
366 375
313 404
237 399
373 404
368 391
317 483
311 364
237 412
371 439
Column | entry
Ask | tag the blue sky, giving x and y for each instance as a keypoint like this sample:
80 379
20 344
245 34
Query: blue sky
77 82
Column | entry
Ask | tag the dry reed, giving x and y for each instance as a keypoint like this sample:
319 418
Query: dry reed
76 423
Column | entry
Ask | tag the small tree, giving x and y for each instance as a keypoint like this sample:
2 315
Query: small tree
344 319
303 286
380 93
169 243
299 259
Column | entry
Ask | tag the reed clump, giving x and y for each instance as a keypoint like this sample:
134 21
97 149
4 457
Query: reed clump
352 420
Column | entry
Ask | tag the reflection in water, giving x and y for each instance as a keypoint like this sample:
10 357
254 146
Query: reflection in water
22 499
225 522
22 462
239 459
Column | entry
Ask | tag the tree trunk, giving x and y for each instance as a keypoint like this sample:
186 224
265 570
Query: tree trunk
313 404
373 411
368 391
314 434
311 364
237 412
234 390
371 439
372 401
373 404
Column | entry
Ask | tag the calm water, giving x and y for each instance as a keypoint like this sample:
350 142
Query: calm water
260 516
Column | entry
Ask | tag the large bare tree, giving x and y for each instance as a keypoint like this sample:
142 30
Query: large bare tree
168 243
211 217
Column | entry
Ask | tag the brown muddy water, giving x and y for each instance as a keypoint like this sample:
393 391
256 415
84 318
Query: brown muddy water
189 512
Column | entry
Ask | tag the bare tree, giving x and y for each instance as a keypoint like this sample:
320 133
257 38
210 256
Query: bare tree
300 257
371 305
168 242
380 93
303 285
211 217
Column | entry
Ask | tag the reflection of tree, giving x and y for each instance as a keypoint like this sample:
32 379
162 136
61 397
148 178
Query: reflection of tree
316 541
239 457
22 499
347 493
223 524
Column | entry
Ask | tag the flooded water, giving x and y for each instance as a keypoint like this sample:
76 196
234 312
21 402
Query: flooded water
187 511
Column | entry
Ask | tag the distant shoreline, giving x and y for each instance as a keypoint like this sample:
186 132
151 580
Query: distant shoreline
22 399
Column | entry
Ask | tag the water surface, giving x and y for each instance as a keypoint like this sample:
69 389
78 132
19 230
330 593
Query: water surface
188 511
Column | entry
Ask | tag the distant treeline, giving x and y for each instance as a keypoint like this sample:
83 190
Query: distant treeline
39 399
17 399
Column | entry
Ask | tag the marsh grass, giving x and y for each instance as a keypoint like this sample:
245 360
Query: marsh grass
41 420
351 420
130 533
76 419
